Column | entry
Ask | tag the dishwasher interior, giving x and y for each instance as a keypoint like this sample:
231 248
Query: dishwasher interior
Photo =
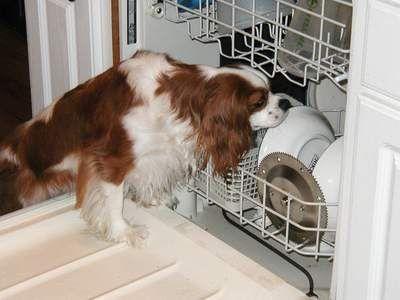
280 206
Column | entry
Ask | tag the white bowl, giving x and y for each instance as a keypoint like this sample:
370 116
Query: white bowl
330 100
327 172
292 100
305 134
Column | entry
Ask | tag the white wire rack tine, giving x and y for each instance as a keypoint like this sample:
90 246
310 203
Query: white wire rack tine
342 30
328 39
207 19
253 21
263 209
241 197
201 16
321 35
287 224
278 231
208 183
317 244
233 28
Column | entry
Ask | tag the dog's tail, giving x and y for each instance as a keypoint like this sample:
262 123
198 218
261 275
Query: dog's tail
8 187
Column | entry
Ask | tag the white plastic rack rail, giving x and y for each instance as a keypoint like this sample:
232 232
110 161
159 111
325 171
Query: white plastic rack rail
301 39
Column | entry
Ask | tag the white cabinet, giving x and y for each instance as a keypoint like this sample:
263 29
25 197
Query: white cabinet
366 261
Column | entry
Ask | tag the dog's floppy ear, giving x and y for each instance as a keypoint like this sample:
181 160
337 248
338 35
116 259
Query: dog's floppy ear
225 131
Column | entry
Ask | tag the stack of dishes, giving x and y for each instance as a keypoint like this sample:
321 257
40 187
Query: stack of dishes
306 134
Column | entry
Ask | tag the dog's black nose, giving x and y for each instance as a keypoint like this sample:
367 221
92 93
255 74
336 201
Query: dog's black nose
284 104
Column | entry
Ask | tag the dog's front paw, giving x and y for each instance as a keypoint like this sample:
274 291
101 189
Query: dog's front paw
171 202
129 192
135 236
132 235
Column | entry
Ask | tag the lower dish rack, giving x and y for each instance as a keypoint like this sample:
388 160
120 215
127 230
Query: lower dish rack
239 195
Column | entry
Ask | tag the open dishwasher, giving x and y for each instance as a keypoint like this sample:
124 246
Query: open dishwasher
313 201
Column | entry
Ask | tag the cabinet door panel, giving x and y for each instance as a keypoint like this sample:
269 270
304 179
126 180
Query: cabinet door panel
68 43
366 263
62 46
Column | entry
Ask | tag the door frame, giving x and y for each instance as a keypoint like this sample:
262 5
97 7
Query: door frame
100 36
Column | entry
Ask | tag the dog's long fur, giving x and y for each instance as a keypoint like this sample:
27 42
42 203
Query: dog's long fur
146 122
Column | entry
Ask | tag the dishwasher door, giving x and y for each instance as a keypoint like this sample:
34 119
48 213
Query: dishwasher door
47 253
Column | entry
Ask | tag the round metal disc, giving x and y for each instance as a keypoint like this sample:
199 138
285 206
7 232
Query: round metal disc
290 175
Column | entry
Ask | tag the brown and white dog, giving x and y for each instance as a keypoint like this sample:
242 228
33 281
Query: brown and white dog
146 122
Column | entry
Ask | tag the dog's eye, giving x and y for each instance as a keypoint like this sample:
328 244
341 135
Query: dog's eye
260 103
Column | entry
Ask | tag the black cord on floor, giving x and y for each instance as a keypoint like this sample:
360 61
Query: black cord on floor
276 251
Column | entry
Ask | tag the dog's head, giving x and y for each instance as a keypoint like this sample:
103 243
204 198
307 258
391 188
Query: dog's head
237 101
223 105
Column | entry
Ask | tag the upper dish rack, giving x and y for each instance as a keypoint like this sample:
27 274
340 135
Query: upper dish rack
301 39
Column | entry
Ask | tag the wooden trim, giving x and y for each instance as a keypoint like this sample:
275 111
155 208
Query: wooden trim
115 31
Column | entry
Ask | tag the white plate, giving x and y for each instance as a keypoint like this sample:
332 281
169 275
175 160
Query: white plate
305 134
327 172
330 100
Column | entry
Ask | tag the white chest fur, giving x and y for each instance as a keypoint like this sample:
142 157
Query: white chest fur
163 152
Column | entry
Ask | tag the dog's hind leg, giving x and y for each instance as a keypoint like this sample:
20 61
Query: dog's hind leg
9 201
